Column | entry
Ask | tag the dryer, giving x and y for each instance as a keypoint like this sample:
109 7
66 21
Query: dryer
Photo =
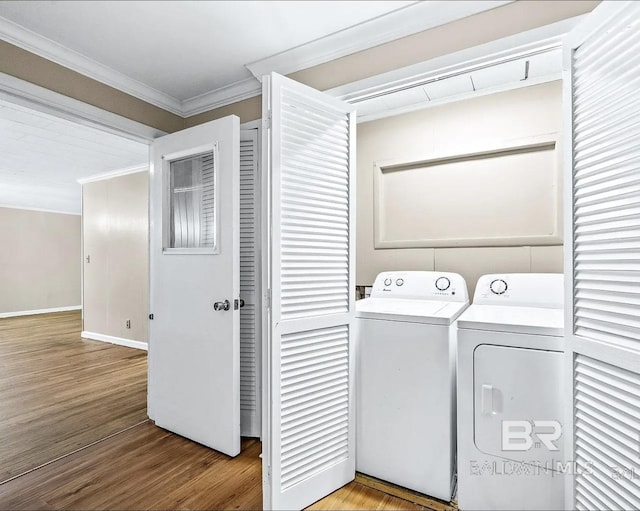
405 383
510 394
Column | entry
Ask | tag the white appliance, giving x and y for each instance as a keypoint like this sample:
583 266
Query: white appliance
405 404
510 394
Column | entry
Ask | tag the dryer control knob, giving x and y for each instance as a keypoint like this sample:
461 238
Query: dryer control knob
498 287
442 283
399 282
387 282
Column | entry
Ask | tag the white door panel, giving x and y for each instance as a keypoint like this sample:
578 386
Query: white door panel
194 351
602 258
308 433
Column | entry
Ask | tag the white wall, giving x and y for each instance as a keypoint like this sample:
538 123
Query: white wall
39 260
489 122
116 238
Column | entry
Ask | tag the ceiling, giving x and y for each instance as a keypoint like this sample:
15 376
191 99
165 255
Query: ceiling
184 49
44 156
191 56
183 56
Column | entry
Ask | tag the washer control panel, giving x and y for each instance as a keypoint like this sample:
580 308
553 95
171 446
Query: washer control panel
521 290
417 285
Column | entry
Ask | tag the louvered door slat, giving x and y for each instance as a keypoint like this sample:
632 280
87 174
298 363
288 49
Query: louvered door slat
310 450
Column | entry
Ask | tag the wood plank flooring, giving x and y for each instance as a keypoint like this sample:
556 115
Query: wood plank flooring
59 392
147 467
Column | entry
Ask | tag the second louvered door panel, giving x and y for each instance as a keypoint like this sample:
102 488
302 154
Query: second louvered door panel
607 435
603 331
249 285
310 448
606 167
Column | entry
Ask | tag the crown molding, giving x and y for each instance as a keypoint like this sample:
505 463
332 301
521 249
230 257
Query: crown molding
400 23
39 210
223 96
115 173
27 94
55 52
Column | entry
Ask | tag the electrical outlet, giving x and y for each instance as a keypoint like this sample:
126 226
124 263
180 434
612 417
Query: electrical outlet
128 324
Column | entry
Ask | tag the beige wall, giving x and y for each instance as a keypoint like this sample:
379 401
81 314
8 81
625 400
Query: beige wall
115 237
32 68
463 127
39 261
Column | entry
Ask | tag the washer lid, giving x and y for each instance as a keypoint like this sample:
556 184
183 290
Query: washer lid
414 311
521 320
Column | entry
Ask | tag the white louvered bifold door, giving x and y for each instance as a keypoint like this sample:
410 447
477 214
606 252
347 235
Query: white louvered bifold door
250 402
308 442
602 84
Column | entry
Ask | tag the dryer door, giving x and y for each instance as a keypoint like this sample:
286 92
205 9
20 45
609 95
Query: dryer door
518 404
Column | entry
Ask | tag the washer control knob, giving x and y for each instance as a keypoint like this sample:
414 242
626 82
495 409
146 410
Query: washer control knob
387 282
442 283
498 287
399 282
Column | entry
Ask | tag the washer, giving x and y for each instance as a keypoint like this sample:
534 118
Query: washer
405 402
510 394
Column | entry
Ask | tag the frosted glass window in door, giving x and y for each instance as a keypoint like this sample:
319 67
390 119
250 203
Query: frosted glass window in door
192 202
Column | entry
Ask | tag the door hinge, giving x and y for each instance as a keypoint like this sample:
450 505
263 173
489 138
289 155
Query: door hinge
236 304
150 316
266 123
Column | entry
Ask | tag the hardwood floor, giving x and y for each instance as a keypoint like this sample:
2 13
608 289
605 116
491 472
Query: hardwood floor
59 392
147 467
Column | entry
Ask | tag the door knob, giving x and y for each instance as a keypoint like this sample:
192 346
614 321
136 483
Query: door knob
222 306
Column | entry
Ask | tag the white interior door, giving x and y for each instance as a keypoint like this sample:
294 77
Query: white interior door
602 257
308 428
194 348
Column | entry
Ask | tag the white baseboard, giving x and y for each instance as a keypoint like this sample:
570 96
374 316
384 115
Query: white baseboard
115 340
40 311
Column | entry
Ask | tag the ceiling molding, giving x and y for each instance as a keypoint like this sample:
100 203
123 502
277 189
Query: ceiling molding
40 210
405 21
114 173
55 52
27 94
223 96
